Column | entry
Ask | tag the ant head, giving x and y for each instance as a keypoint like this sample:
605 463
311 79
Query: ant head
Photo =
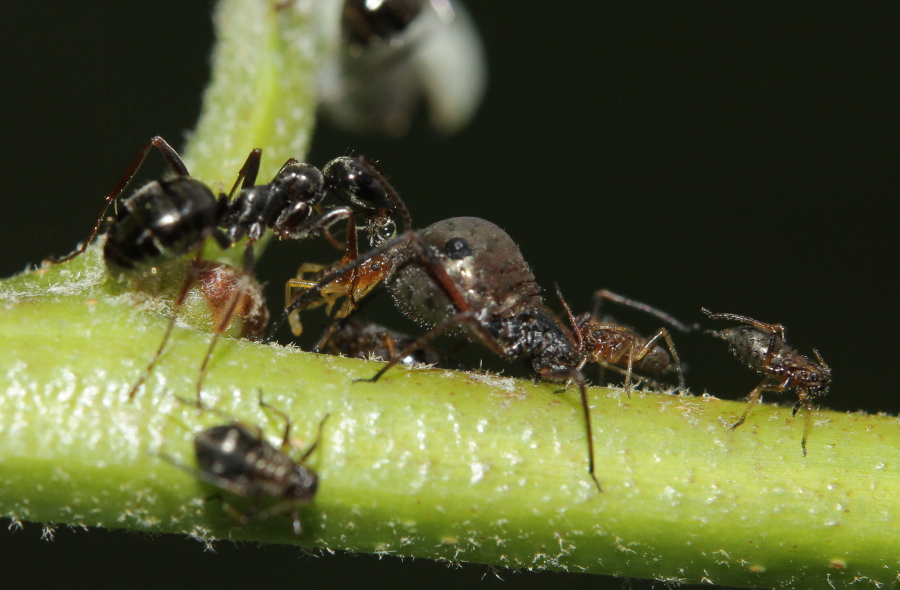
359 183
352 180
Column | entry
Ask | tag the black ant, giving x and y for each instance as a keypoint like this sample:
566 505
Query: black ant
237 459
169 218
467 275
762 347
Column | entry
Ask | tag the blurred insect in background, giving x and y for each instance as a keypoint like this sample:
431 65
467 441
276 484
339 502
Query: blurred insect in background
355 338
392 53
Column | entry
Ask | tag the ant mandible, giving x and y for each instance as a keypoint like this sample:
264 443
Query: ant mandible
170 218
762 347
467 274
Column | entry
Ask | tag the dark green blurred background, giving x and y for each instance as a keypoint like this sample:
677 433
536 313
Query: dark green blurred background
742 157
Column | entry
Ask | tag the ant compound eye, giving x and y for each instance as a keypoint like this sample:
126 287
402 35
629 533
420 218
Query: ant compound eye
457 248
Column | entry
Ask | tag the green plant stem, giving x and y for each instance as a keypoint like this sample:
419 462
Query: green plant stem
432 463
262 92
425 463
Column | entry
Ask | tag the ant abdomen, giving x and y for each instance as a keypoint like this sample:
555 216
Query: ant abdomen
163 220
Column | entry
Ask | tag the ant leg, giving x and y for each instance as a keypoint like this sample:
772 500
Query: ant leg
176 307
582 389
176 164
579 336
807 422
248 172
603 294
429 261
328 296
351 252
578 377
238 292
325 340
287 420
420 342
285 440
663 333
315 444
629 369
569 381
754 396
311 227
337 275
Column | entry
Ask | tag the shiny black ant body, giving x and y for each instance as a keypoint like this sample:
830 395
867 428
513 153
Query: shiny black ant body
237 459
762 347
170 218
466 275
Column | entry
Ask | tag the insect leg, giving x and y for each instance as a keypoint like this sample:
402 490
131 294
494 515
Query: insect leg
753 398
603 294
176 307
176 164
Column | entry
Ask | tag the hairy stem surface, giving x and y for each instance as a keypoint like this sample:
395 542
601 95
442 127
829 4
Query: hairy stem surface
427 463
